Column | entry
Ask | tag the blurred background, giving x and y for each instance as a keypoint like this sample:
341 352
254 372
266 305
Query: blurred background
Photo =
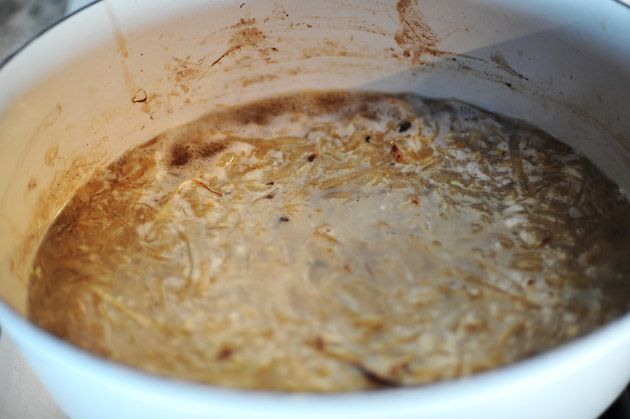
21 19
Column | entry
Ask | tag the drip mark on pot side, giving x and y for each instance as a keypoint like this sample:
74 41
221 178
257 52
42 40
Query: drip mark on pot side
134 92
415 37
504 65
248 35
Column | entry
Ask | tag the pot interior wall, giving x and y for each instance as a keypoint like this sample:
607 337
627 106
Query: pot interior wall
148 65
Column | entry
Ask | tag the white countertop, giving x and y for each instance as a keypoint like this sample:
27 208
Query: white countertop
22 395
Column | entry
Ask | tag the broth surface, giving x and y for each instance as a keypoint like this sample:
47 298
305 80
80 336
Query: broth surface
334 242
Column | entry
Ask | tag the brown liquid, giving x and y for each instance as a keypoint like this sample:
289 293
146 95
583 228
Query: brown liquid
334 242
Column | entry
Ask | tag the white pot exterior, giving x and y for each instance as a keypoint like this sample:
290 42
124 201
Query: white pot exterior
65 108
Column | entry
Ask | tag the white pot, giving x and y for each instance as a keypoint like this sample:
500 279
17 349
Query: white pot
66 108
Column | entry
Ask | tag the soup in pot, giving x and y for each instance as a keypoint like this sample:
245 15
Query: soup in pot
336 241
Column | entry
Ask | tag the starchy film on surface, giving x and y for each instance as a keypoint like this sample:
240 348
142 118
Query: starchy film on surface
334 242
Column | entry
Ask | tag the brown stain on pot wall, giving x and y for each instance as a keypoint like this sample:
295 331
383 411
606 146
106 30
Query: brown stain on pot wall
247 45
185 70
32 184
262 112
51 155
119 37
121 42
258 79
123 50
247 35
504 65
329 48
415 37
50 201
